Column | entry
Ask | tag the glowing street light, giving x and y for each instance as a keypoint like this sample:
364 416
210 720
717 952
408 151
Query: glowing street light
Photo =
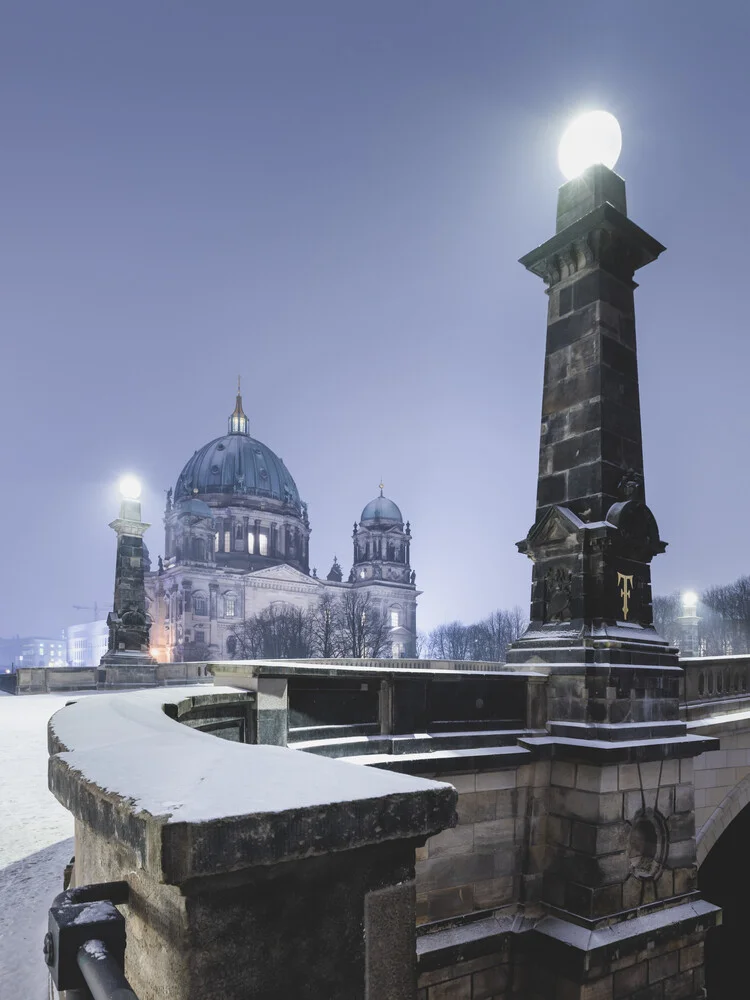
690 602
130 488
594 137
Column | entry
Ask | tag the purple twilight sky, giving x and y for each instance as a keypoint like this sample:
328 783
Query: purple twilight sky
330 198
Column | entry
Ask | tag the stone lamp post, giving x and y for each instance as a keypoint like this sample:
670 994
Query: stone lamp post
620 822
129 624
689 621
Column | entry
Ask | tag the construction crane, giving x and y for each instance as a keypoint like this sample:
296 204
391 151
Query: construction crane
91 607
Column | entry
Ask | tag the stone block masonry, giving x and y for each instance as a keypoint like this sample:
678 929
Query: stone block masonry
255 872
489 858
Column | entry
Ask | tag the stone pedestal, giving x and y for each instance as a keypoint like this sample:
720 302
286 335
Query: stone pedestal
255 872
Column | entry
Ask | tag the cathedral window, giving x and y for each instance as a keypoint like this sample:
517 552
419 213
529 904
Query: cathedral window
216 542
201 605
263 543
230 606
227 541
200 636
250 542
397 650
395 619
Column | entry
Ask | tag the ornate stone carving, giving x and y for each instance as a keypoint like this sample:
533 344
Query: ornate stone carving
557 594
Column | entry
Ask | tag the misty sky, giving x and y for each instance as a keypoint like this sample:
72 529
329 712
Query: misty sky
331 198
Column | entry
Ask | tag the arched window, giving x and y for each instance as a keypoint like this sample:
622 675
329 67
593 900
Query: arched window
395 617
230 606
250 542
263 543
216 541
200 604
231 645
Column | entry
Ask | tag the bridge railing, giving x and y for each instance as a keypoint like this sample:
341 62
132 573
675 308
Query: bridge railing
713 685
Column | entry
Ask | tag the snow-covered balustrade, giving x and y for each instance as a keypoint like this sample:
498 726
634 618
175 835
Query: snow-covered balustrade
315 699
254 871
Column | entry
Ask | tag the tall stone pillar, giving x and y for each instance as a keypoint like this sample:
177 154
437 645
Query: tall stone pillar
620 818
129 624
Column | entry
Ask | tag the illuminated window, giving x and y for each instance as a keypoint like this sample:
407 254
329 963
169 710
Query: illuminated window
216 542
263 544
227 541
397 650
201 606
395 619
250 542
230 607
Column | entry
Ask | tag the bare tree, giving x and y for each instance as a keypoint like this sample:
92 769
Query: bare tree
731 603
484 640
193 652
282 631
325 626
666 611
451 642
362 627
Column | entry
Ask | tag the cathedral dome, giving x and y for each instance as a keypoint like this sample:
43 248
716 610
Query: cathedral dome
239 465
381 509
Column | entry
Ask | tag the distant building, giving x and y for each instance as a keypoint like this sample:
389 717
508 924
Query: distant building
86 643
237 541
10 650
42 651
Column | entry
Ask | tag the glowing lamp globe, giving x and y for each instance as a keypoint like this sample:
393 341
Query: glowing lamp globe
130 488
690 599
594 137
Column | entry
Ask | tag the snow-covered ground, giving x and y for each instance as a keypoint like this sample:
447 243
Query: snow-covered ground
35 842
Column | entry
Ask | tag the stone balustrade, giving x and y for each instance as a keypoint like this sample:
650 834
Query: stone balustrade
254 871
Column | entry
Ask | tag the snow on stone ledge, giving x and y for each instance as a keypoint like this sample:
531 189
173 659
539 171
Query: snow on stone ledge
189 804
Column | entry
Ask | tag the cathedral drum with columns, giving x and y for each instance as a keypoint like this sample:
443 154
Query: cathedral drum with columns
237 540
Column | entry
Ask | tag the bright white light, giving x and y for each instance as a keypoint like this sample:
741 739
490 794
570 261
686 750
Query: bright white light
130 488
690 599
593 138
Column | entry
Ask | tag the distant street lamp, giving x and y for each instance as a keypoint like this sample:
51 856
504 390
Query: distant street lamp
128 622
689 643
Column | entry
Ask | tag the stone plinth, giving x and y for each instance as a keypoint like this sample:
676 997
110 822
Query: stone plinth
129 624
255 871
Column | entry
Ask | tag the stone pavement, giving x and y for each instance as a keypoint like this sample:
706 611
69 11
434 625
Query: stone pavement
35 842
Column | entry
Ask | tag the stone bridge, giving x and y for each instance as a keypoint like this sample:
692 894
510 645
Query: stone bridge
493 908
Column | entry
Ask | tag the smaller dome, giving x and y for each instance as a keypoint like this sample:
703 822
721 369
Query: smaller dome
381 509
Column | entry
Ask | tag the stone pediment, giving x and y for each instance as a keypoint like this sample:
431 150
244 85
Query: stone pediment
284 574
558 524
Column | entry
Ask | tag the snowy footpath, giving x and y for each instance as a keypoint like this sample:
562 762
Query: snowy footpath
36 842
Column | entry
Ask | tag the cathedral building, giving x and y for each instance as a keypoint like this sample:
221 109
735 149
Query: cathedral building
237 540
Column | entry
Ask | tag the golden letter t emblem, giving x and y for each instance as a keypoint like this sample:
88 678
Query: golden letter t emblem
625 591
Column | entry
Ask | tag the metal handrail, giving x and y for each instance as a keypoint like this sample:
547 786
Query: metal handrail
85 945
102 972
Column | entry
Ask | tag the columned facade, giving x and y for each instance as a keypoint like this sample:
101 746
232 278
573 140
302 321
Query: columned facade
237 540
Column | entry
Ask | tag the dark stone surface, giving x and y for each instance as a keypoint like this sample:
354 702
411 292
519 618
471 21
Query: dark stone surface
129 624
272 726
